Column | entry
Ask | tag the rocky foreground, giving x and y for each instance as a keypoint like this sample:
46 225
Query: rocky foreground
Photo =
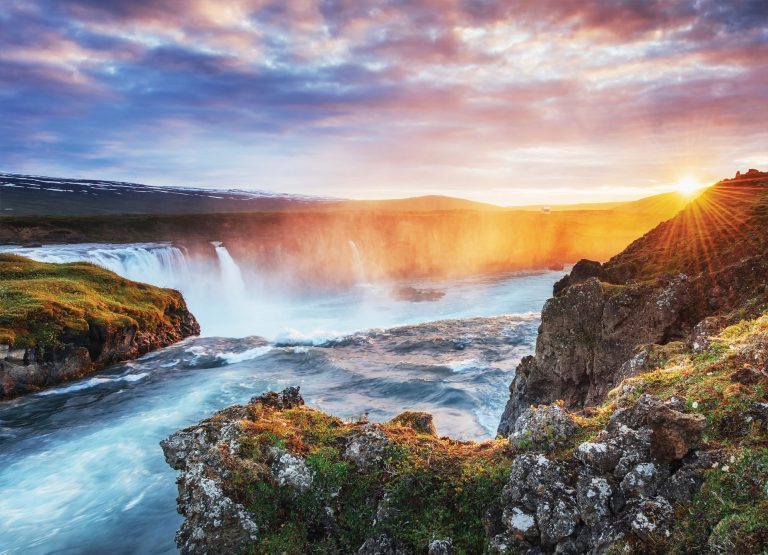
61 321
640 426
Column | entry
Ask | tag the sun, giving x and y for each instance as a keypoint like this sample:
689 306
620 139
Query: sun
688 186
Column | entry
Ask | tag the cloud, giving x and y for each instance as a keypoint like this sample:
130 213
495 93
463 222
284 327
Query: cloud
402 92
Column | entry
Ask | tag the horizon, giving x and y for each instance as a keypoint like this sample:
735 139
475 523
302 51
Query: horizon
511 104
683 188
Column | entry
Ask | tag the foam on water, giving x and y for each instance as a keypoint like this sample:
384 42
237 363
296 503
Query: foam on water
80 465
249 354
232 300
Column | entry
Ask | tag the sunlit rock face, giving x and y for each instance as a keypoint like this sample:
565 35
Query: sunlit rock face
672 287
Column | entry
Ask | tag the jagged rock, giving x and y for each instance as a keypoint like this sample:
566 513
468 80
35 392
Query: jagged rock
290 471
366 446
683 485
617 451
287 399
650 519
704 331
440 547
544 427
214 523
644 480
71 356
420 422
674 433
582 271
520 523
536 486
587 333
593 495
381 545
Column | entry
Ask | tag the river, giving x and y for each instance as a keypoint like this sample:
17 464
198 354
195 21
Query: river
81 470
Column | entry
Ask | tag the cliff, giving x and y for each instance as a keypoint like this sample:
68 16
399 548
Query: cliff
684 280
61 321
639 426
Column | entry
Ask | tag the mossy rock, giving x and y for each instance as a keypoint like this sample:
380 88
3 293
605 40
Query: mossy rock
420 422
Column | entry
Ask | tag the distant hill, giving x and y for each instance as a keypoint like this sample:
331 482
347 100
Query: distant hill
27 195
668 202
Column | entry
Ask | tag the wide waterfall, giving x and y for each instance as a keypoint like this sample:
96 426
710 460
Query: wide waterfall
234 298
212 286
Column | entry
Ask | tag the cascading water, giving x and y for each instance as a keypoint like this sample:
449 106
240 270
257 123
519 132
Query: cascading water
231 275
80 466
357 261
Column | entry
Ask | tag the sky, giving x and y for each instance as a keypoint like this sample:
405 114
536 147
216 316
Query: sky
511 102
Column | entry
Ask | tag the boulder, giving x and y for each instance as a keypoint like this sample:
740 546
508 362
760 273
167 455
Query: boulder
366 446
674 433
382 544
543 427
289 398
440 547
581 271
420 422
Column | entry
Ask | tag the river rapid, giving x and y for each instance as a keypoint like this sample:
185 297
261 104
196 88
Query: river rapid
81 470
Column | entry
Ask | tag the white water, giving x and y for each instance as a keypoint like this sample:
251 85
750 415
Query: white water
80 466
360 275
229 301
231 275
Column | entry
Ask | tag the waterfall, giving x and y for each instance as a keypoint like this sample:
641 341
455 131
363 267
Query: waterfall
213 287
159 264
231 275
360 277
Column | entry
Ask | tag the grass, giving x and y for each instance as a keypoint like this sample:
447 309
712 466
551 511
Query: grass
441 488
438 487
43 304
728 513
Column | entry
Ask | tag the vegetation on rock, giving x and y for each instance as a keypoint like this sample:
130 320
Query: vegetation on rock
42 303
59 321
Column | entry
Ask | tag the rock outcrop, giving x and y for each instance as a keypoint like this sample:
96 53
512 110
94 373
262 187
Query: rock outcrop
620 486
33 368
678 283
97 319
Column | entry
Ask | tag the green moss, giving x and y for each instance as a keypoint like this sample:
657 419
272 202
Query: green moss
40 303
437 487
729 510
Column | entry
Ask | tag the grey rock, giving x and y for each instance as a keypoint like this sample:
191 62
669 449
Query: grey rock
650 519
214 523
543 427
290 471
287 399
367 446
382 544
593 495
683 485
644 480
440 547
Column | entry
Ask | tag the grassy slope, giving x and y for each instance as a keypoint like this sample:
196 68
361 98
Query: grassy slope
39 302
442 487
437 485
727 222
734 498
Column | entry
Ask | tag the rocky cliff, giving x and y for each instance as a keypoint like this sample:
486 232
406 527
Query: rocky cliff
639 426
682 281
61 321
